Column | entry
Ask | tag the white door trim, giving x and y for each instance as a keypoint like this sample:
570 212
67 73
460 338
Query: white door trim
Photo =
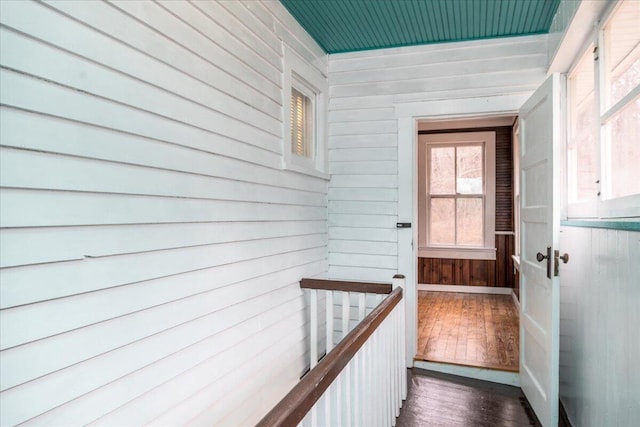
408 115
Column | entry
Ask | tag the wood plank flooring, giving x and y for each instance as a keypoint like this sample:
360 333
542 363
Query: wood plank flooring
468 329
443 400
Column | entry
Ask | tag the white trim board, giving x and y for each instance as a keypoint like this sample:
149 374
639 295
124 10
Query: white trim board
408 115
462 108
577 35
516 302
500 377
481 122
465 289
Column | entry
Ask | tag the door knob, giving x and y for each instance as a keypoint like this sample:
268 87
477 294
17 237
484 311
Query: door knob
564 258
541 257
556 261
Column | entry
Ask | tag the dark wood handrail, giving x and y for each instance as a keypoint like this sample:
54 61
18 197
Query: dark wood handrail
295 405
339 285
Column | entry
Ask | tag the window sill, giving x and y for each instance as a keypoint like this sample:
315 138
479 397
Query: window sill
609 225
306 171
516 262
458 253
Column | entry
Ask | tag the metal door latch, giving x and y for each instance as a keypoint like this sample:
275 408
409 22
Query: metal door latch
556 261
541 258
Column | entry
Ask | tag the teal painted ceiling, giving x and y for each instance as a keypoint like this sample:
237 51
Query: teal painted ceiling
352 25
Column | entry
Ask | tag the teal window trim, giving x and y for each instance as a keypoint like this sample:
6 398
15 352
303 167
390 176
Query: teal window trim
609 225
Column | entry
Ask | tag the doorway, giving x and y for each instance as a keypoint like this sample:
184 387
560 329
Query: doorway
467 308
540 140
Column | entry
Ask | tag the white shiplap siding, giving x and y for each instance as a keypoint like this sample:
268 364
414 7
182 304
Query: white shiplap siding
365 88
151 243
599 317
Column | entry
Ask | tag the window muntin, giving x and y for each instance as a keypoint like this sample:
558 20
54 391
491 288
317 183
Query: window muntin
456 195
456 192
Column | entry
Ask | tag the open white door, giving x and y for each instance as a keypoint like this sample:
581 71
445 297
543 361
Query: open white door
540 233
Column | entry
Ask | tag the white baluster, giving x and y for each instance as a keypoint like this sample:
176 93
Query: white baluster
368 389
327 406
329 317
345 313
396 367
338 408
357 388
400 281
313 354
385 371
362 305
375 383
346 411
314 416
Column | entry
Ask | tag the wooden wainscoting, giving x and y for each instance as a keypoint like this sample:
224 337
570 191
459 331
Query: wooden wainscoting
472 272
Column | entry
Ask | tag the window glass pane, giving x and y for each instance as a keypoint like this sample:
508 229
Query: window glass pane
442 178
442 221
623 134
622 38
469 220
583 132
301 124
469 171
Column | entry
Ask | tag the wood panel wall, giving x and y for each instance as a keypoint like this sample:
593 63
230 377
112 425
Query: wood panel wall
365 88
471 272
504 178
152 244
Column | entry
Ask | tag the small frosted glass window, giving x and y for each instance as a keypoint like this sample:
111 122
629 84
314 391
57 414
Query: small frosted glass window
301 124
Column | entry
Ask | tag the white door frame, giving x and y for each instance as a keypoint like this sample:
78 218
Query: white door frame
408 115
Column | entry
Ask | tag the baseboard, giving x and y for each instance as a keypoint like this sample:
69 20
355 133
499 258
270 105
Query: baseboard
500 377
563 418
465 289
516 302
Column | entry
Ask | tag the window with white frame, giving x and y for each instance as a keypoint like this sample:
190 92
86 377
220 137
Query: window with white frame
304 104
457 195
603 150
302 123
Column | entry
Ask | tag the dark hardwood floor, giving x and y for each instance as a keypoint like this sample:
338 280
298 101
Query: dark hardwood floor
442 400
479 330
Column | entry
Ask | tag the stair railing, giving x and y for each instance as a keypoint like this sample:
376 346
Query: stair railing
362 379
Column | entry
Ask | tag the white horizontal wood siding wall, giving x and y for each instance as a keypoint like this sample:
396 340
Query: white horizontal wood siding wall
599 318
151 243
365 87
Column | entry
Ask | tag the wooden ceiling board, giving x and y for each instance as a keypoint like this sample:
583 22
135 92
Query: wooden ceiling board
353 25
